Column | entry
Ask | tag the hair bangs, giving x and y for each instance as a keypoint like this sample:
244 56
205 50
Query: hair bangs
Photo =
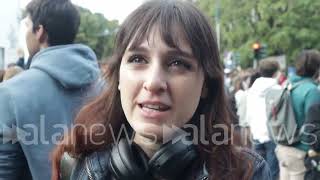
164 20
175 25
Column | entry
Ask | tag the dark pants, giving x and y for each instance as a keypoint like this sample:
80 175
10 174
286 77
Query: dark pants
266 150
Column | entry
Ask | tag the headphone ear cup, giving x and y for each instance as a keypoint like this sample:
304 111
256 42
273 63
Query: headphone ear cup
127 161
173 158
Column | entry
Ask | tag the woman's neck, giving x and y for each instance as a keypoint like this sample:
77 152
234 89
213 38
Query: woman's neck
149 146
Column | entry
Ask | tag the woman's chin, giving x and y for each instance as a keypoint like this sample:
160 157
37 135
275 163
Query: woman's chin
150 131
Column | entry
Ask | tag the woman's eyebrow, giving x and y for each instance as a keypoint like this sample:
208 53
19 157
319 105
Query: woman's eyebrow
180 53
170 51
137 49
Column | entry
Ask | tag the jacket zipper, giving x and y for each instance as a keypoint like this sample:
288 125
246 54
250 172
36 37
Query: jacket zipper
88 170
205 173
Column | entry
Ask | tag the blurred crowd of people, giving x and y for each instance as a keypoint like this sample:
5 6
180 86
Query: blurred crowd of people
249 88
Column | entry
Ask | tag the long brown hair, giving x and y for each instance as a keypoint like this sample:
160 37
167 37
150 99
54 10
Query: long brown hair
222 161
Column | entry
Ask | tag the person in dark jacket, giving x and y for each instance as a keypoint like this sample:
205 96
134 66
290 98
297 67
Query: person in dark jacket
164 113
39 104
312 131
20 61
312 127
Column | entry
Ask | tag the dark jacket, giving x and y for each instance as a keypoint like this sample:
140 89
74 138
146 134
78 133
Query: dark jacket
20 62
96 167
38 105
312 127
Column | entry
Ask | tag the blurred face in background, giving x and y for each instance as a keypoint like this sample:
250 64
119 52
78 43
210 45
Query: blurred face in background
160 86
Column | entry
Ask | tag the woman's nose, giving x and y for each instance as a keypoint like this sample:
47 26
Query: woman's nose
155 80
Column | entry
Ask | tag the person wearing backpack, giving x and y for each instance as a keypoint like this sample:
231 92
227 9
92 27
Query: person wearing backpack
291 157
256 113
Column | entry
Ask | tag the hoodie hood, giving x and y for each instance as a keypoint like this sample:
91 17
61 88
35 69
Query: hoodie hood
73 65
262 85
295 78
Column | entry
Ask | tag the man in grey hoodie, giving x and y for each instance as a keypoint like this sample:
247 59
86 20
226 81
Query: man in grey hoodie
39 105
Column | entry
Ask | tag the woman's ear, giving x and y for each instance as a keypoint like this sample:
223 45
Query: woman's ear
204 91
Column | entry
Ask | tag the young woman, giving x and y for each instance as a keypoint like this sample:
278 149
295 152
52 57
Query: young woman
165 78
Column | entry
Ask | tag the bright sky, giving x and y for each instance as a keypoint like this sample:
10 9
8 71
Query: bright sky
112 9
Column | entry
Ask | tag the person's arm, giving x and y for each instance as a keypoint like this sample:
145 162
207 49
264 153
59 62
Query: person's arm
307 132
13 164
312 97
311 133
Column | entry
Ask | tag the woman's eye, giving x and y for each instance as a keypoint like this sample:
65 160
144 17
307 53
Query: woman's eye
180 63
137 59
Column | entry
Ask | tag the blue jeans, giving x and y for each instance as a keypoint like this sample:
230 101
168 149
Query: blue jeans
266 150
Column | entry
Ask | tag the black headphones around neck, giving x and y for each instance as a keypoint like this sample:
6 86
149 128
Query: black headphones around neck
170 161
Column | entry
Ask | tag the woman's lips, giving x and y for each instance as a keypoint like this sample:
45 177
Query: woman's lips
154 110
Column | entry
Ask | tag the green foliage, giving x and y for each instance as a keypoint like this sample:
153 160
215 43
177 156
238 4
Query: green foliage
97 32
285 26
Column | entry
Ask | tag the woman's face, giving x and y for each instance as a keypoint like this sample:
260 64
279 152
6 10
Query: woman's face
160 86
